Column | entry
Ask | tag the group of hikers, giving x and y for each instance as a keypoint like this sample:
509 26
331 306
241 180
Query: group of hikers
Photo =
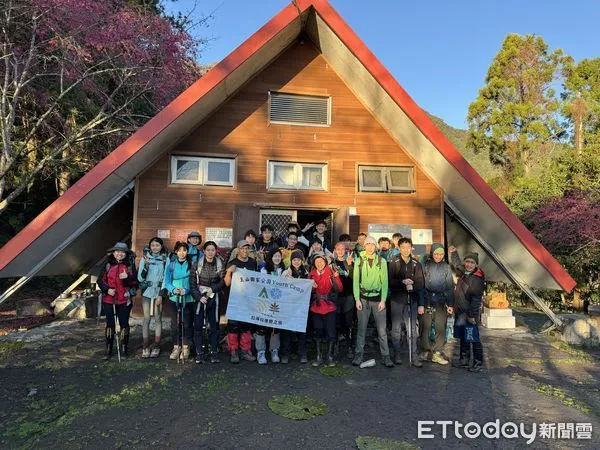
414 299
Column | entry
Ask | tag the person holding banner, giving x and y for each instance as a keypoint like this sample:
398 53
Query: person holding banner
326 283
370 283
296 270
206 282
273 266
239 334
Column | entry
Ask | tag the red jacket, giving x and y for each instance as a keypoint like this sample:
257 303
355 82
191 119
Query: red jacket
110 280
323 302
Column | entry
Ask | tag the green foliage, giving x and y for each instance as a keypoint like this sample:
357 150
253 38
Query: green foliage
582 99
377 443
515 112
553 391
297 407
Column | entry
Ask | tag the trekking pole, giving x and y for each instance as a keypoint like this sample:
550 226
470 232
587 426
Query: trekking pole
118 339
409 331
181 322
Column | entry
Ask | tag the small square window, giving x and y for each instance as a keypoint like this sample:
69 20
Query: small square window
204 171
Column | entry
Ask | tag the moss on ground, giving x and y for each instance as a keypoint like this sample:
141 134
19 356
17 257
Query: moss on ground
8 348
297 407
553 391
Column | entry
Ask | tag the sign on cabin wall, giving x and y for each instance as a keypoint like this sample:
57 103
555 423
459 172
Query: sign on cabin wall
379 230
422 236
163 234
222 236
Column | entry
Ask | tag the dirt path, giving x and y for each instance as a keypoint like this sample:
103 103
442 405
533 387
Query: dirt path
57 392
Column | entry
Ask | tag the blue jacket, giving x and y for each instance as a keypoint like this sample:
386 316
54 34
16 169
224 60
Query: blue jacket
177 275
152 273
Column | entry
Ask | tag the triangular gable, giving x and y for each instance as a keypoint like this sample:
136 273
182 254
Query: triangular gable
386 100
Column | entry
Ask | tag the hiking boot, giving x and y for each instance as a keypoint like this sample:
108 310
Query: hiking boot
318 360
462 363
397 358
439 359
330 352
185 353
155 352
417 363
235 358
285 360
146 352
424 356
303 359
476 367
387 362
262 359
199 358
248 356
175 353
214 358
358 359
275 355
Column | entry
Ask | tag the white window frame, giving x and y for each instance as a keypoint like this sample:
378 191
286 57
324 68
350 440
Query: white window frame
203 170
302 124
386 179
297 186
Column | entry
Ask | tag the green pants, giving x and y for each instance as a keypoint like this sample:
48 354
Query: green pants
370 307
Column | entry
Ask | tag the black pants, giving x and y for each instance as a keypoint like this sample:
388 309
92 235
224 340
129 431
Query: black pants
438 316
188 320
210 312
324 326
286 340
345 314
465 350
122 315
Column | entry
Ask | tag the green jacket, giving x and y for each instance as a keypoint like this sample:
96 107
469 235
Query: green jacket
373 281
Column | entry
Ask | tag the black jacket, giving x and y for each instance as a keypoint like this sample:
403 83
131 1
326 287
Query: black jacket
399 270
468 293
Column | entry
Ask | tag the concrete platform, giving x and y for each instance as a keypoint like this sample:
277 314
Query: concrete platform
505 312
498 322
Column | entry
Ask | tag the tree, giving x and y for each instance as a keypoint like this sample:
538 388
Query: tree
570 229
76 72
582 101
516 111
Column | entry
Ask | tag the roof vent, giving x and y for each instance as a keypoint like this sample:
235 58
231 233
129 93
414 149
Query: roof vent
294 109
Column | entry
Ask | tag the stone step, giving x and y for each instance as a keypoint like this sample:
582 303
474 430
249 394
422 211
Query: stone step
506 312
498 322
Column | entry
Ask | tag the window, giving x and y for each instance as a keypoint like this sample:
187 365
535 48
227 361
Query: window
204 171
294 109
385 179
288 175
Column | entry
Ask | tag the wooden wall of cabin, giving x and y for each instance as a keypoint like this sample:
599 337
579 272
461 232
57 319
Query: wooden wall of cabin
240 128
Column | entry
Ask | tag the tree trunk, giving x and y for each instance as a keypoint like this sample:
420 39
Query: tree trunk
31 160
64 178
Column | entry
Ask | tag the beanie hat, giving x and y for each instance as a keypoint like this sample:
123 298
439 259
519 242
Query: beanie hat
437 248
317 255
370 240
121 246
194 234
297 254
472 255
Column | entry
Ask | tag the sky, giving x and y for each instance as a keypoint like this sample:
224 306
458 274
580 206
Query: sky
439 51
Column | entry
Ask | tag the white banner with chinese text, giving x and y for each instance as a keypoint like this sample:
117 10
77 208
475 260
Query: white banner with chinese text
269 300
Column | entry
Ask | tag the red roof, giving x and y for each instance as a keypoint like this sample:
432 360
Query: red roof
220 72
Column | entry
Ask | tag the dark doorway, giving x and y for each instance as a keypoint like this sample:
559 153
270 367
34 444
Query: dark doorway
312 216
